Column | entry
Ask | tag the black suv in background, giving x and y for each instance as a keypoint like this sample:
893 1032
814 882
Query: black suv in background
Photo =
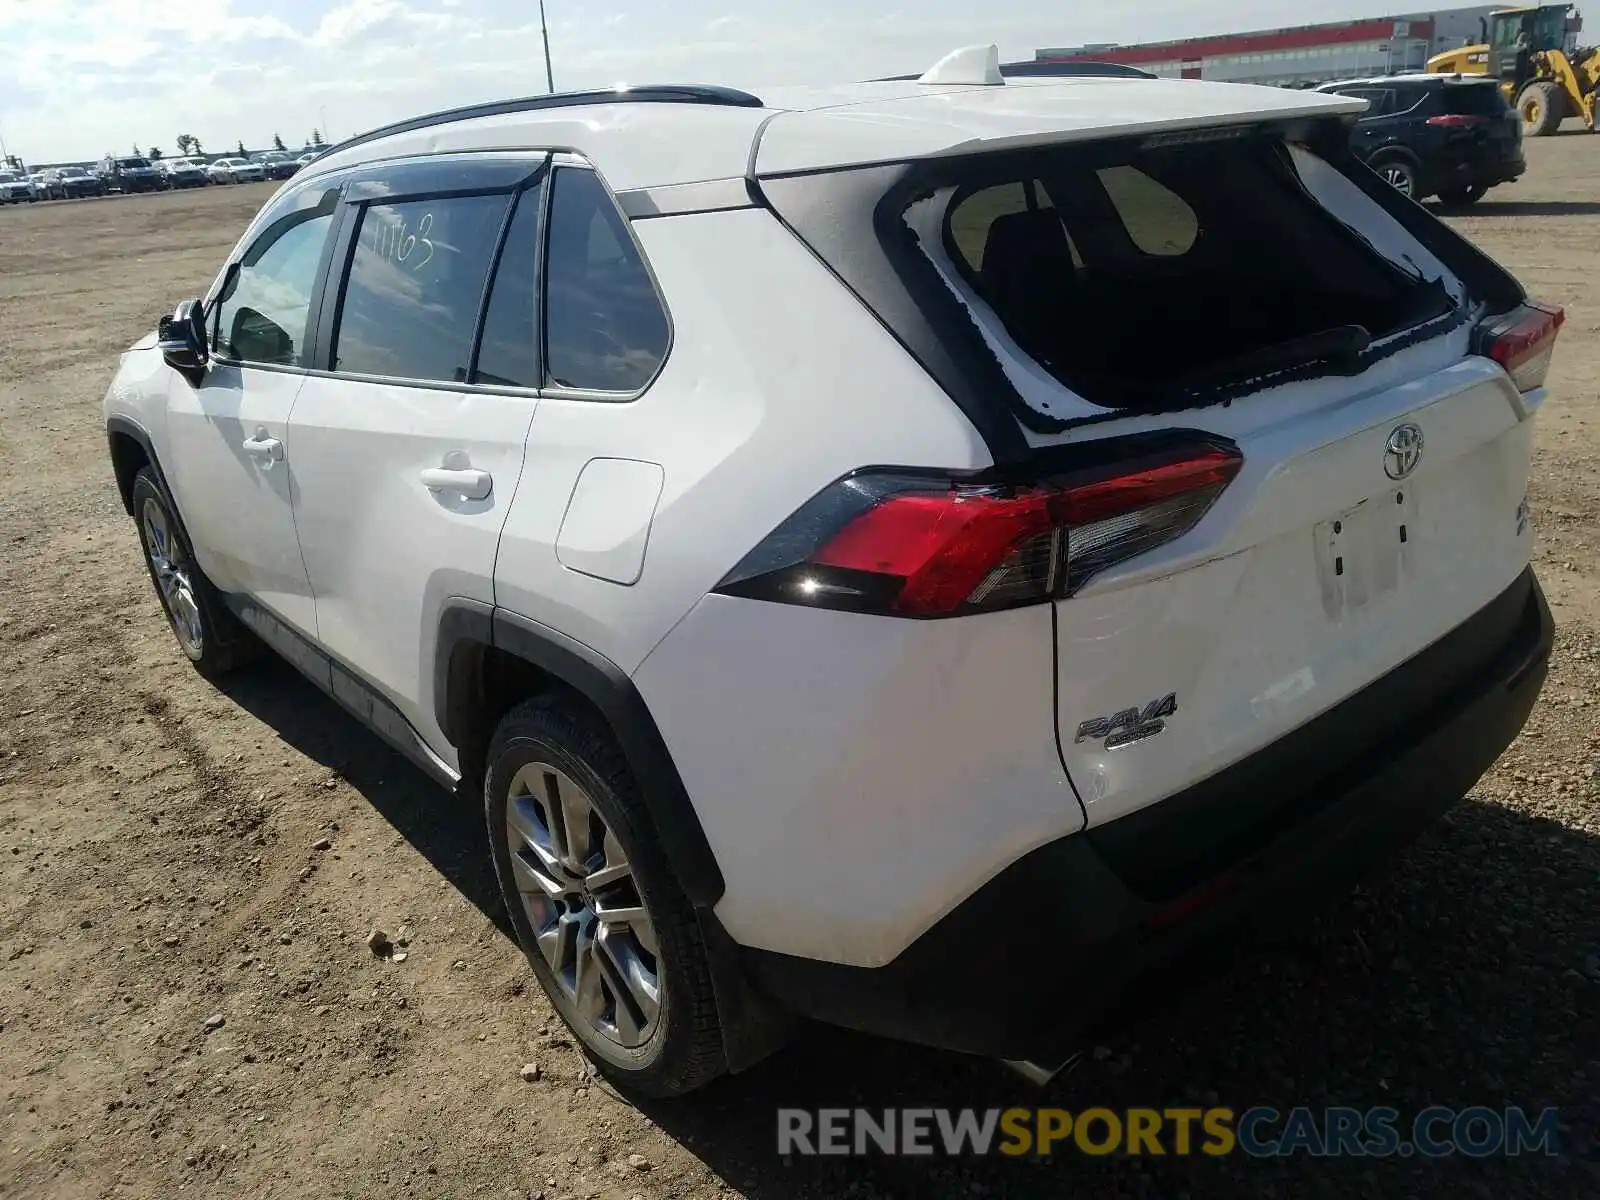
125 173
1450 136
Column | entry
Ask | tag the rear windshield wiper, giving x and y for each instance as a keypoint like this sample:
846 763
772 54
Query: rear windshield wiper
1340 347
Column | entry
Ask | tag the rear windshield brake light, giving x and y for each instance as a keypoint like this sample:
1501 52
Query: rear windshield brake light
916 544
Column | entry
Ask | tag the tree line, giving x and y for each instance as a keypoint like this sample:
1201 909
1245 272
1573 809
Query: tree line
188 144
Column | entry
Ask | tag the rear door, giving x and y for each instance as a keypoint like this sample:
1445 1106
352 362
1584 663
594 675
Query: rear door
409 441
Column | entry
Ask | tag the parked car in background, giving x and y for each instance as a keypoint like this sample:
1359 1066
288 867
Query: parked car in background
15 188
131 174
38 181
185 172
73 183
308 157
277 164
235 170
1449 136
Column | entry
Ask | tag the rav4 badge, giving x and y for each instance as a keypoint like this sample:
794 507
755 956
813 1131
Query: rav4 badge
1130 725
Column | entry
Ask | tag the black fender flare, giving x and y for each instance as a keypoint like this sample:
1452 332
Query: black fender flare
466 627
752 1027
121 426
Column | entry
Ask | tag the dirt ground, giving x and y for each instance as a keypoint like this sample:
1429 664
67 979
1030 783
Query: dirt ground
157 872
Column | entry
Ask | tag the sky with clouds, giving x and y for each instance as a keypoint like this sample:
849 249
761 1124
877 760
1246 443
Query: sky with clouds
79 78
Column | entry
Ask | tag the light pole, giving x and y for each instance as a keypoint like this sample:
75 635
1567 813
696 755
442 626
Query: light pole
544 32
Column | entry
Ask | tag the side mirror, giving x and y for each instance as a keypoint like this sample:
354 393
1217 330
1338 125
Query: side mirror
181 338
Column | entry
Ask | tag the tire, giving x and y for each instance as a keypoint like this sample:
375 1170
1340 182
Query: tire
551 760
206 631
1399 173
1464 197
1541 107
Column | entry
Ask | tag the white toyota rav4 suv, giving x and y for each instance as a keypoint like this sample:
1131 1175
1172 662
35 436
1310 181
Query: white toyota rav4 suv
921 555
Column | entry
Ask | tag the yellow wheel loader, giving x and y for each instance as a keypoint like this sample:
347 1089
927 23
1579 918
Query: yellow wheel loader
1533 52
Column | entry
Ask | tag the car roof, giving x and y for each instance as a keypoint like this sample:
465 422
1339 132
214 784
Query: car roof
652 137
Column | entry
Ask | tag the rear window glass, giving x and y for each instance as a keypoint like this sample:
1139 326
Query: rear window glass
1480 100
1213 252
415 285
132 162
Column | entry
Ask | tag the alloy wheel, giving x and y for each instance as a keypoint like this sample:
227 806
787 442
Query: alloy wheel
580 896
174 578
1399 178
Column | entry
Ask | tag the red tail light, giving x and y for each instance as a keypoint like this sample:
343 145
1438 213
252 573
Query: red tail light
920 545
1459 120
1522 341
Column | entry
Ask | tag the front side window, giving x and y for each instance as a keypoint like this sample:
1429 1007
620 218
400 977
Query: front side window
416 281
262 311
605 328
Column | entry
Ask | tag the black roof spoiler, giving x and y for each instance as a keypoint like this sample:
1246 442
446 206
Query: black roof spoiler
1035 69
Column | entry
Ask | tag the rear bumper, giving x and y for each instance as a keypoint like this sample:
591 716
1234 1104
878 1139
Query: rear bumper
1050 946
1492 169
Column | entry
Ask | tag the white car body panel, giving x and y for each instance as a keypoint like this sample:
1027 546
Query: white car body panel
383 551
831 128
737 442
235 505
887 770
1264 615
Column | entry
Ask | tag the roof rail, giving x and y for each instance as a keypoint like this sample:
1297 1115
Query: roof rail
1033 69
669 93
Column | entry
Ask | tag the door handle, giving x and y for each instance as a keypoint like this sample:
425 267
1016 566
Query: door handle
263 447
464 481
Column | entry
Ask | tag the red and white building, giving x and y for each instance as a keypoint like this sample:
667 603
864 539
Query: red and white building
1301 54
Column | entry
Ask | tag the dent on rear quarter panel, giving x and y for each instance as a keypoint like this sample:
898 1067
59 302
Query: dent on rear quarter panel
858 776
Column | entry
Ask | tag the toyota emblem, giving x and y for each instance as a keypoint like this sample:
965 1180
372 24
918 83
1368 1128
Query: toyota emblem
1403 451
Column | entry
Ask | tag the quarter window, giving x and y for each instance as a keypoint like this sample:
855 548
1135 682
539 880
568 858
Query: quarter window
605 327
263 308
411 300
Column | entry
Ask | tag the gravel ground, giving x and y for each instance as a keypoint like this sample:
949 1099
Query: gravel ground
188 877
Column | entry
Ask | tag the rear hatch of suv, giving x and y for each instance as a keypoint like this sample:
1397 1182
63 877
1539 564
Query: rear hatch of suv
1482 132
1261 426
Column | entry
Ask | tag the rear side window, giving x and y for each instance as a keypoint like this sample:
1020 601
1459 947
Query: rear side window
1475 100
1380 101
1404 99
605 329
416 280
